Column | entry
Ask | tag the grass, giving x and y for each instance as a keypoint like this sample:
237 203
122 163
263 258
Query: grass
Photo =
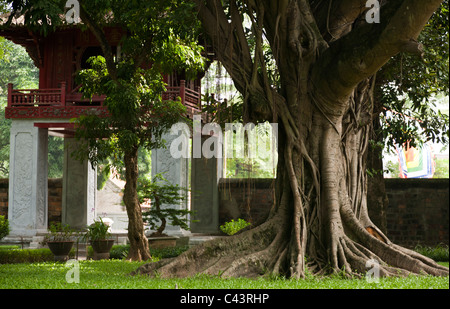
113 274
31 269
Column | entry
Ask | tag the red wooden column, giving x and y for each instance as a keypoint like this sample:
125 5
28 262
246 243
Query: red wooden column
10 90
182 90
63 94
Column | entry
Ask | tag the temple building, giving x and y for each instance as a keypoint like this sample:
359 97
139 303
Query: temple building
38 113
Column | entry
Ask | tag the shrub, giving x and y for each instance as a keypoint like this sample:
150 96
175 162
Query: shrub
438 253
9 247
4 227
13 256
232 227
121 252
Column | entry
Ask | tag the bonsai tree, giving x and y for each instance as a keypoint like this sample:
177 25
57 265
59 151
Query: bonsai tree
160 192
4 227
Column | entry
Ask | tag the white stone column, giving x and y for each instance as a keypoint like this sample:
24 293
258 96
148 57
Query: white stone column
79 189
28 184
176 172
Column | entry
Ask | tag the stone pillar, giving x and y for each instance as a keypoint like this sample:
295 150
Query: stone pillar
205 176
28 187
79 189
176 171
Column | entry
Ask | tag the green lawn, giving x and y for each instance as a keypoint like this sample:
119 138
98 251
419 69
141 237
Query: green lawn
113 274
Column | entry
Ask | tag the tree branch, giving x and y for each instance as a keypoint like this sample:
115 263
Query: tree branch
367 48
336 18
232 50
100 35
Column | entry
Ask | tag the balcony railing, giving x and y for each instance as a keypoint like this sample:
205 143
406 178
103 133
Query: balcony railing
57 103
36 97
190 98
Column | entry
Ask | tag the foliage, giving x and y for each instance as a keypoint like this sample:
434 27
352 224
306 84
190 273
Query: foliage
9 247
4 227
222 112
438 253
138 115
161 192
232 227
121 251
13 256
97 231
60 232
409 85
442 168
17 68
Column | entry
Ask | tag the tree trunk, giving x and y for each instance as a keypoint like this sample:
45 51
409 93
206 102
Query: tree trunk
139 249
320 214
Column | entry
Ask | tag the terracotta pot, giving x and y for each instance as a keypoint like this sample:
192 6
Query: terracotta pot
60 249
101 248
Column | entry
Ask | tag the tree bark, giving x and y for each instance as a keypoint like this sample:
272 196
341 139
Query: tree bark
139 249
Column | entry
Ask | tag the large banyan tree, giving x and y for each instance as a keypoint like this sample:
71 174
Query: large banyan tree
310 66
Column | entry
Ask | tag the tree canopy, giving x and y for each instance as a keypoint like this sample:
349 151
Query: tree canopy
409 83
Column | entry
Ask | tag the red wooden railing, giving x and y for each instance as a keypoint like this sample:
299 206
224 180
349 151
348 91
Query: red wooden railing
36 97
189 97
57 98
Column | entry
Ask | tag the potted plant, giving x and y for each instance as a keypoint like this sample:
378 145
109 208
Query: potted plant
159 191
60 240
100 238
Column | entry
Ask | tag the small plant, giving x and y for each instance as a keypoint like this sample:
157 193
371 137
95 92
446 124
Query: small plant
4 227
60 240
97 231
160 192
232 227
59 232
100 238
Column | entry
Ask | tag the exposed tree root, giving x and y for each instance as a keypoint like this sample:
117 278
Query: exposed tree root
266 251
246 254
